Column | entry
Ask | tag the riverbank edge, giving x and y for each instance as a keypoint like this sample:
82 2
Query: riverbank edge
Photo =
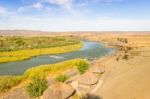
23 80
113 56
109 55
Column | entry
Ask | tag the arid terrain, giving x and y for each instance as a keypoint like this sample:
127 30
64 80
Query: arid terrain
124 77
74 49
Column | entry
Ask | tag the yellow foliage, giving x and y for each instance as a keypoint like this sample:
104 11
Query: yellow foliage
52 69
28 53
40 72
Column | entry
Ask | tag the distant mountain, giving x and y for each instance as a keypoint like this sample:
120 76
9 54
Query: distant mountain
46 33
24 33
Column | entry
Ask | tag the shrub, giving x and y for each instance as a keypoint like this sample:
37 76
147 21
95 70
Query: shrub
61 78
36 87
6 82
82 66
54 69
40 72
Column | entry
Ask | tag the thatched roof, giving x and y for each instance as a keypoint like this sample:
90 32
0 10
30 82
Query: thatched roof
97 69
88 78
58 91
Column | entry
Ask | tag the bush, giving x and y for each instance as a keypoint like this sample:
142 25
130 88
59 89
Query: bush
61 78
82 66
7 82
36 87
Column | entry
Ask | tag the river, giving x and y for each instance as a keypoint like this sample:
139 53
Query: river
90 50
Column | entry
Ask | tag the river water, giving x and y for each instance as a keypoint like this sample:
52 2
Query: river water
90 50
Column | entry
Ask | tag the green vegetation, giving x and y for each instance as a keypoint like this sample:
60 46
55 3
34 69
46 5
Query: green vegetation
6 82
53 69
11 48
61 78
36 87
19 43
20 48
82 66
40 72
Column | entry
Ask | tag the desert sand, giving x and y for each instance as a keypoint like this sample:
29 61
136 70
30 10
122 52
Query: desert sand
127 79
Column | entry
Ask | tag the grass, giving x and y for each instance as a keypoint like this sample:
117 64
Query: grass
21 48
53 69
14 43
7 82
61 78
28 53
40 72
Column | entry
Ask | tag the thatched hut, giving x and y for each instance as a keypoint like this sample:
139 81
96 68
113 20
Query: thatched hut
58 91
87 81
97 69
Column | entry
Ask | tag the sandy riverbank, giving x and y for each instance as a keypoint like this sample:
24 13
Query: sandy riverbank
126 79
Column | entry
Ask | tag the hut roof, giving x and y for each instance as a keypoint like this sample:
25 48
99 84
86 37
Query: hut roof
58 91
88 78
97 69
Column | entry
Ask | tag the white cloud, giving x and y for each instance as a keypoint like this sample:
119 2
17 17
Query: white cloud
70 2
68 6
77 7
37 5
75 24
105 1
60 2
3 11
76 21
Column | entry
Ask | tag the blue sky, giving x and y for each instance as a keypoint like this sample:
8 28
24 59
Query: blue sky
75 15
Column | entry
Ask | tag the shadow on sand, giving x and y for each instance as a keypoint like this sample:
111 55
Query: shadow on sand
91 96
